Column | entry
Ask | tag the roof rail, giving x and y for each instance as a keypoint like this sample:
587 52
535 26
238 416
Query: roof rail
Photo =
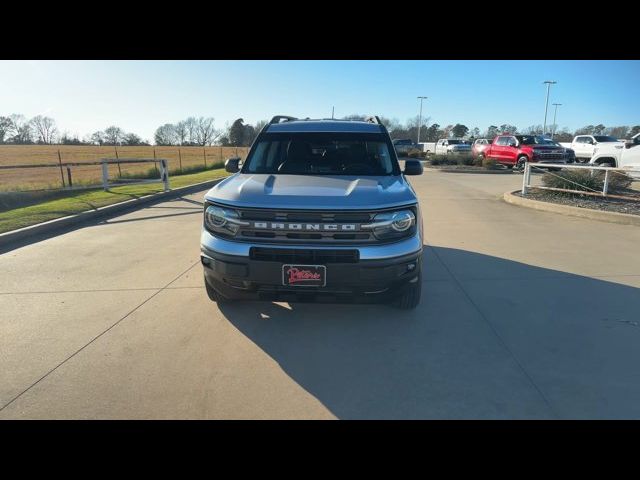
286 118
373 119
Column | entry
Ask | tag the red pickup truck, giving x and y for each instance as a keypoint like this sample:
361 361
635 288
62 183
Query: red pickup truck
516 150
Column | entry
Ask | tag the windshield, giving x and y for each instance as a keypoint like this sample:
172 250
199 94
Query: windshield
605 138
533 140
322 154
402 142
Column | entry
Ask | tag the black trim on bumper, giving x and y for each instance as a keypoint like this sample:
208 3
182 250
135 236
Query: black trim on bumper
367 280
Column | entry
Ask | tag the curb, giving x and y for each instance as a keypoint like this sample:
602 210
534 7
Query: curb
482 172
591 214
53 226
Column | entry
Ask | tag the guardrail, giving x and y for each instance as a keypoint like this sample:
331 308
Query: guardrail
526 178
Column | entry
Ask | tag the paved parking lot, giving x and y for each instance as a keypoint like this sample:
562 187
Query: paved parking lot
525 314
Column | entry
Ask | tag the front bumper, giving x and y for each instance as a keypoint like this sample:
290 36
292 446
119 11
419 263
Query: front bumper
370 279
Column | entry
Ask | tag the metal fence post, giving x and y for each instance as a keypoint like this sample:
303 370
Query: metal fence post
165 174
525 179
105 175
605 188
69 177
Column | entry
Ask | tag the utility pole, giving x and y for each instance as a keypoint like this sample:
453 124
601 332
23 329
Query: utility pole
332 111
420 118
546 105
554 119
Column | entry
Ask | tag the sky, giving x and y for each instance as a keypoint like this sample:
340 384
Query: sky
139 96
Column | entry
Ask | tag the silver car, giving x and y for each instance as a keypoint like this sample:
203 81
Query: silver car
319 211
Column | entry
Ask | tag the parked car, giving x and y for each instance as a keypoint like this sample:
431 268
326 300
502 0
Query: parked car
570 154
447 146
320 210
516 150
627 155
404 146
479 146
584 145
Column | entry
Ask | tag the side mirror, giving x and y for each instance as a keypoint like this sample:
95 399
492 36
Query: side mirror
513 144
413 167
232 165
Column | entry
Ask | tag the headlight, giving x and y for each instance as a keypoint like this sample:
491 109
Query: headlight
390 225
222 220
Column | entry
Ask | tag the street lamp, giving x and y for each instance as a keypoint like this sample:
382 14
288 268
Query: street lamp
555 112
420 117
546 105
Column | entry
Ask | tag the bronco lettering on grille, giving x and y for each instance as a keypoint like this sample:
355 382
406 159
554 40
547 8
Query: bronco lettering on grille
349 227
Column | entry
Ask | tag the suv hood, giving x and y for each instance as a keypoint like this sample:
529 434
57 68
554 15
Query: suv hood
312 192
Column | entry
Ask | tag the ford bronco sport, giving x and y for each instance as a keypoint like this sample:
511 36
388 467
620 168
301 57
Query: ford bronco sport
319 211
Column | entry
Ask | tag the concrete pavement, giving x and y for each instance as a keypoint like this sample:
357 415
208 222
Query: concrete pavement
525 314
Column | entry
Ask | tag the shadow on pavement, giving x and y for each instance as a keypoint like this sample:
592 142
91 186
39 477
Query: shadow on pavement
492 338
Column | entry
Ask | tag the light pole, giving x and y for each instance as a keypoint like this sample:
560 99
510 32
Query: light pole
546 105
555 112
420 118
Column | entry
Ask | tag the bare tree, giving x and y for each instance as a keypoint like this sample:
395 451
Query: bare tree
97 138
45 128
166 135
132 139
113 135
5 128
181 132
20 129
205 132
191 126
618 132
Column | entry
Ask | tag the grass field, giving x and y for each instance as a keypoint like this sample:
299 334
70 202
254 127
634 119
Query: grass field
49 178
80 201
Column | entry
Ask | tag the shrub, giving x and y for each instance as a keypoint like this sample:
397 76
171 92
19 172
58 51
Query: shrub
441 160
489 162
586 180
464 159
415 153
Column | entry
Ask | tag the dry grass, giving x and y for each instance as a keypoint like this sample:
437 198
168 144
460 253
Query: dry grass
43 178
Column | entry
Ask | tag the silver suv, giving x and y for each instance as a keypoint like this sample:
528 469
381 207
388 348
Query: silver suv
319 211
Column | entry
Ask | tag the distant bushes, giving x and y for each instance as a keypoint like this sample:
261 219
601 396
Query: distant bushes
451 160
586 180
415 153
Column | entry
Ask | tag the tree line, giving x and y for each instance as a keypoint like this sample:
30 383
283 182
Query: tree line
433 132
201 131
41 130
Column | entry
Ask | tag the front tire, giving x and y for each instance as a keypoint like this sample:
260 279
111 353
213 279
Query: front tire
410 297
520 163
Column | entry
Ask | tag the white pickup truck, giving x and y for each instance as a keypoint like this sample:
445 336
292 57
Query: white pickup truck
446 146
620 155
584 145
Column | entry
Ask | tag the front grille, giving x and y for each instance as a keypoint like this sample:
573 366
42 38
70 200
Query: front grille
302 219
303 256
549 156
